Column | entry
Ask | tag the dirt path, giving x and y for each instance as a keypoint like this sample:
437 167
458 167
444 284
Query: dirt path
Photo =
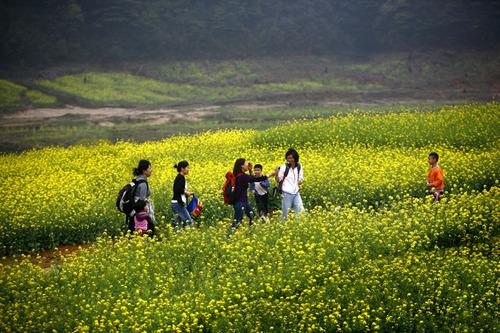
102 116
75 110
110 112
48 258
108 116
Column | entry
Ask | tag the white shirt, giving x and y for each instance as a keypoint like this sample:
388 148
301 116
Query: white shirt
259 189
292 180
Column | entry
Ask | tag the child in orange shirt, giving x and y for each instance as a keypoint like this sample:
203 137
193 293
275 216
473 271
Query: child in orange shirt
435 177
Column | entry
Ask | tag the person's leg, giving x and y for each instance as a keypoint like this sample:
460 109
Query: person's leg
238 217
151 228
298 206
249 212
265 204
437 195
185 217
260 204
129 221
286 204
177 218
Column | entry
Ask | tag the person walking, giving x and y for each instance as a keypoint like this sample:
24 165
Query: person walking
143 192
291 177
179 199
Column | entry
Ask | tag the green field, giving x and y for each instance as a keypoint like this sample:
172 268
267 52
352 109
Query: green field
187 82
14 97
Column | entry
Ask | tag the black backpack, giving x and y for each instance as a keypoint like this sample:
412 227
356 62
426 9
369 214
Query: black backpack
287 169
125 200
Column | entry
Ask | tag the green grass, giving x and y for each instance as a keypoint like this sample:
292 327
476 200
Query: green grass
123 89
188 82
437 66
10 94
223 73
38 98
14 96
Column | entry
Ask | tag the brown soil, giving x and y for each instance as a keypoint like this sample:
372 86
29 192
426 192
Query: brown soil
45 259
105 116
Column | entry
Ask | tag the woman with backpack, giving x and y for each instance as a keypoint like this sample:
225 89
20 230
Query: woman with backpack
239 195
143 192
179 199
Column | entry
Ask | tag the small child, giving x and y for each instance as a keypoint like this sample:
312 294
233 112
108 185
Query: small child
142 220
261 193
435 177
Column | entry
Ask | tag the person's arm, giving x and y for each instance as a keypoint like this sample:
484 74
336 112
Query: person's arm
439 179
273 174
253 179
281 173
188 193
429 177
266 184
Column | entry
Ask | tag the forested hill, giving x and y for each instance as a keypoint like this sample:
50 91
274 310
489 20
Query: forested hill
49 31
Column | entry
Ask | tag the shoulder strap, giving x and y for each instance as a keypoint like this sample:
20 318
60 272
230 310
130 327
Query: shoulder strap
287 169
299 166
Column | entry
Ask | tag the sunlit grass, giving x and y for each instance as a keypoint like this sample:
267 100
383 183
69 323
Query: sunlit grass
14 96
130 90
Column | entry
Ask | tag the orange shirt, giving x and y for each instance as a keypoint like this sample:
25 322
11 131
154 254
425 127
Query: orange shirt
436 178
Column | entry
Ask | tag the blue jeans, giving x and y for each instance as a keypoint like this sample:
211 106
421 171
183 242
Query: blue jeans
289 201
240 208
181 215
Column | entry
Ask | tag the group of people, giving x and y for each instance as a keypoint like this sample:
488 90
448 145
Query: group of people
289 178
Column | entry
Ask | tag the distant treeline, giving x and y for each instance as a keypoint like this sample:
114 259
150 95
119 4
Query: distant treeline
49 31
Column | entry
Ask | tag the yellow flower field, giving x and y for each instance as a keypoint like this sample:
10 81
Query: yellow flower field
372 253
414 266
59 196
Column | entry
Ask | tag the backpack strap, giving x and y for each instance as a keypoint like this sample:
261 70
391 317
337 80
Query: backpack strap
298 171
231 178
287 170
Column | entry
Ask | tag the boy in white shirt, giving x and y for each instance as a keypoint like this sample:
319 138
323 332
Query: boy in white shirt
261 193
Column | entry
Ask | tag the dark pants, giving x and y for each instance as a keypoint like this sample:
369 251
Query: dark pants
262 202
129 222
240 208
